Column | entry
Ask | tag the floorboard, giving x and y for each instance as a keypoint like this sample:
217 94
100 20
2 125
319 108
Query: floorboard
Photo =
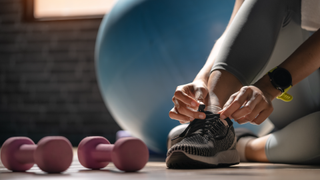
156 169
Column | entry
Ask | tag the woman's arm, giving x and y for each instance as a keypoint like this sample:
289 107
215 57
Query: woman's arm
303 62
186 97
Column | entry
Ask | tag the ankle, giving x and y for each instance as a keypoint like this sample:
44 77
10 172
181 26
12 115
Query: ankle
255 150
241 147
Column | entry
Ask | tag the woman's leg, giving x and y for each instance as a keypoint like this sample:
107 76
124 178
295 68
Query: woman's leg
247 47
299 124
277 147
306 100
299 142
252 36
239 54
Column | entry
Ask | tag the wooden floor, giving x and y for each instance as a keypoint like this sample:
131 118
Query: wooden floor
156 169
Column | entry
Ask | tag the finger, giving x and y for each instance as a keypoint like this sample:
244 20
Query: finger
188 111
173 114
186 99
240 99
230 100
227 104
249 107
183 122
262 116
242 120
175 102
261 106
180 117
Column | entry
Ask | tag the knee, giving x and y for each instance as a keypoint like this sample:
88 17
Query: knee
309 133
299 142
311 122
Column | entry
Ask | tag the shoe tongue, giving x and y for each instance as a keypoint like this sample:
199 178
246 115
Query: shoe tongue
210 115
197 126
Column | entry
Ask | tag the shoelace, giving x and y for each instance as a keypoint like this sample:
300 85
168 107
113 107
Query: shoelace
209 127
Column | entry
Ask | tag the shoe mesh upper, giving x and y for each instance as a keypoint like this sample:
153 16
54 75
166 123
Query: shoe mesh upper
205 137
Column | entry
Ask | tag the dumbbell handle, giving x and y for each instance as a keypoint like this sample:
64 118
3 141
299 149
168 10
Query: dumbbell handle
102 152
25 153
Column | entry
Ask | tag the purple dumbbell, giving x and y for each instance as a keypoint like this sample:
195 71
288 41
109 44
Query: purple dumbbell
127 154
53 154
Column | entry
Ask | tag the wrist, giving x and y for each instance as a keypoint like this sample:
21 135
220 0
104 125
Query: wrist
202 79
267 88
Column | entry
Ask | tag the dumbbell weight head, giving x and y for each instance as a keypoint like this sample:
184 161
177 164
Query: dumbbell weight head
54 154
127 154
85 149
8 151
130 154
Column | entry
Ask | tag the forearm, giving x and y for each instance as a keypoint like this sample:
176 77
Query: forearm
304 61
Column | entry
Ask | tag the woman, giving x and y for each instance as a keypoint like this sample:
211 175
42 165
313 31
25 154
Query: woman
263 52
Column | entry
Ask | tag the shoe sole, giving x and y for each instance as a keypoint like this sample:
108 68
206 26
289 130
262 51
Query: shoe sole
182 160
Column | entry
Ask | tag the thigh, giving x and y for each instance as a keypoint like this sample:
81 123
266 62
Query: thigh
251 37
296 143
306 100
306 96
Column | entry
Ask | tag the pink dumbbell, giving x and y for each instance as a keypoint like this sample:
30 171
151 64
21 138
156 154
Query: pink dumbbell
53 154
127 154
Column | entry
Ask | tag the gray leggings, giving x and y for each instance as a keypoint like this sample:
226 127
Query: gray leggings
264 33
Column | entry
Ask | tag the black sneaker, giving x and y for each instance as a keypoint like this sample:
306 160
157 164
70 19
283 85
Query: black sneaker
204 144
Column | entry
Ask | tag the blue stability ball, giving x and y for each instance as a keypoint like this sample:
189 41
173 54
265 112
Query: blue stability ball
145 49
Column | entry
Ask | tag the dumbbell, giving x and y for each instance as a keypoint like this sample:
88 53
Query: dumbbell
53 154
128 154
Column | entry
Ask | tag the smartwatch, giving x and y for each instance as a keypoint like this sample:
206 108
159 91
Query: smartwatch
281 79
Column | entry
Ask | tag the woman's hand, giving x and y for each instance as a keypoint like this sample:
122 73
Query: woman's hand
249 104
187 99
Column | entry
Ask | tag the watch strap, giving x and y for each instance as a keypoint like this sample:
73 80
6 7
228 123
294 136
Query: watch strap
284 96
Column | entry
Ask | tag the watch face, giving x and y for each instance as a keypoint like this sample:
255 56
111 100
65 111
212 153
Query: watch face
282 77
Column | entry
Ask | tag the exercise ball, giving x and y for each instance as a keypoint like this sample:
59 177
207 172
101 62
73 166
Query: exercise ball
145 49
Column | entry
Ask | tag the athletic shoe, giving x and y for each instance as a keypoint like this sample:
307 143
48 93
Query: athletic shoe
204 144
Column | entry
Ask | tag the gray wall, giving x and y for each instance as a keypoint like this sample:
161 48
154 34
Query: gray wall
47 78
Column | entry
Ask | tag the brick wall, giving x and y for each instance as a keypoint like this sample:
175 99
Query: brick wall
47 78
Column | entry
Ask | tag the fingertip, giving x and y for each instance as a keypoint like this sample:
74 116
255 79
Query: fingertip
172 113
200 102
256 122
222 116
202 115
194 104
